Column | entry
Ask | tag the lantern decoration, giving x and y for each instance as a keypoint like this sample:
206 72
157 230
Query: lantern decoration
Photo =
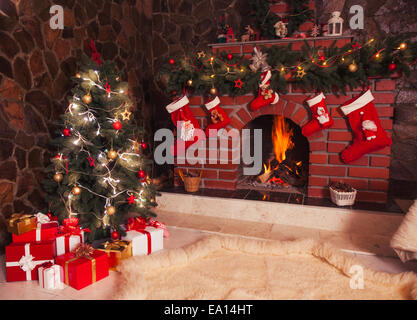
335 25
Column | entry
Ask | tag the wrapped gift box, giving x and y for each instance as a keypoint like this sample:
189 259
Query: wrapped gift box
43 232
20 223
67 242
116 251
23 259
51 276
80 272
145 241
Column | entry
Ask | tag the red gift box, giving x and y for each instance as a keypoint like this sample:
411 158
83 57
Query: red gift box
24 259
44 232
80 272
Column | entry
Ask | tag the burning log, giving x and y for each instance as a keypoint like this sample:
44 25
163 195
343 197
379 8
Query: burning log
264 177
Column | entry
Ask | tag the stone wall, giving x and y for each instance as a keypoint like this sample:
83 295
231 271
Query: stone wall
36 64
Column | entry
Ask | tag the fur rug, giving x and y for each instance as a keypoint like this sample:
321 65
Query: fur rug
220 267
404 241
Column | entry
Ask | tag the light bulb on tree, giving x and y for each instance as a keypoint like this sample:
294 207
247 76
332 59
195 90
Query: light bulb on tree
76 191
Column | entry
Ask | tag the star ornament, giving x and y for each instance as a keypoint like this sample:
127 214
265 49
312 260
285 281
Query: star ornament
238 83
356 46
126 114
91 161
131 199
108 89
301 73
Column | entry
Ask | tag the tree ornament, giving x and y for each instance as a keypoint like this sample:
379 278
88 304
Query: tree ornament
112 154
392 66
403 46
76 191
301 73
141 174
315 32
87 98
58 177
126 114
238 83
77 75
66 132
229 56
131 199
111 210
143 145
91 161
171 62
213 91
281 29
259 60
115 235
190 82
117 125
353 67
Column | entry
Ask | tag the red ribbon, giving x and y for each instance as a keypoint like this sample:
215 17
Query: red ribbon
70 227
139 224
95 55
46 265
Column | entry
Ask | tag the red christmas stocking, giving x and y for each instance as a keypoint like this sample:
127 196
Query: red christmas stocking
321 116
184 120
219 118
266 95
369 136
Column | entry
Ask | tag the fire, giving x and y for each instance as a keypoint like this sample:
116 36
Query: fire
281 138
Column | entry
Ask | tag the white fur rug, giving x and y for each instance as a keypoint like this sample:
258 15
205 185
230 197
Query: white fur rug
238 268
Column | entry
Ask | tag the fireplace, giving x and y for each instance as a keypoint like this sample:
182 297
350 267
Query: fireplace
285 156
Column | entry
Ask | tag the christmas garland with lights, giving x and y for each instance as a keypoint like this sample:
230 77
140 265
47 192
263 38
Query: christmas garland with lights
265 19
325 69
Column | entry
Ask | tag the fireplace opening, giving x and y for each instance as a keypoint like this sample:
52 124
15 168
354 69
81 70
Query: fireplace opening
285 157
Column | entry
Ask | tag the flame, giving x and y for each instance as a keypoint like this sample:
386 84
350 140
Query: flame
281 138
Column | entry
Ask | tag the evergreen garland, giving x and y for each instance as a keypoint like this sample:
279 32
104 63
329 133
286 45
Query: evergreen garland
325 68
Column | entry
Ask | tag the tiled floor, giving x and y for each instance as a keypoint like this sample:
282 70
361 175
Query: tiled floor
181 236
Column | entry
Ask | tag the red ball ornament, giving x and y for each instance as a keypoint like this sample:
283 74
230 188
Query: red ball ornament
66 132
115 235
171 62
230 56
392 66
117 125
143 145
141 174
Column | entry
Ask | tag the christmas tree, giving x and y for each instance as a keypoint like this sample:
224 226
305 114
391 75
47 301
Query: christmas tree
100 172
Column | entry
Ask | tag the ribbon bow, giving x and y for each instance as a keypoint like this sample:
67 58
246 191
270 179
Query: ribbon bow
70 226
46 265
95 55
139 224
42 218
83 250
159 225
26 263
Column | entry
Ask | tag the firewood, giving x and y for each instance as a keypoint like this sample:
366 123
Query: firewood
264 177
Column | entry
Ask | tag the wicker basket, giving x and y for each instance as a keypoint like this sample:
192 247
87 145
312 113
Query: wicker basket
343 198
191 184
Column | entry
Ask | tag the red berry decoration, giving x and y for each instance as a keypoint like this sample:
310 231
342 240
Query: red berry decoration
141 174
392 66
143 145
230 56
171 62
117 125
66 132
115 235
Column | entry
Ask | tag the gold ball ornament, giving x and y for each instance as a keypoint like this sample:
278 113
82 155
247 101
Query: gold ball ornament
111 210
77 75
403 46
76 191
112 154
190 83
58 177
353 67
87 98
213 91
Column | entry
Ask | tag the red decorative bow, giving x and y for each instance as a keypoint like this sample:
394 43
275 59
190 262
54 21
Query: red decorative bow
46 265
95 55
160 225
70 226
139 224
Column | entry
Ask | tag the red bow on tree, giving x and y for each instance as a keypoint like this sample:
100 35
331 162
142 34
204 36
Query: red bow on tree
95 55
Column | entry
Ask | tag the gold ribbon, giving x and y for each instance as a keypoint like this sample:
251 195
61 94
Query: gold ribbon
117 245
19 217
93 268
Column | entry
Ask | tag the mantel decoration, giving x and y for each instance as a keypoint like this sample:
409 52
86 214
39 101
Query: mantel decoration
323 69
335 25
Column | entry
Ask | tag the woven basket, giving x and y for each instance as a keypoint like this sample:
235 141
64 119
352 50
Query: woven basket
342 198
191 184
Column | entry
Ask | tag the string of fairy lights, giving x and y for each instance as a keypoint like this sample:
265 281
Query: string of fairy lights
82 112
201 67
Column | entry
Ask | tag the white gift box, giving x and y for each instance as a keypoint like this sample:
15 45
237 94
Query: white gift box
51 278
66 243
146 242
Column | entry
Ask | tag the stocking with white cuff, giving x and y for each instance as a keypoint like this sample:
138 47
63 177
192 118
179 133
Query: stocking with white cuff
369 136
219 118
321 116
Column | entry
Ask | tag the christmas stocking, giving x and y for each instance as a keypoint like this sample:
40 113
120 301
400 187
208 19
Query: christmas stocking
266 95
219 118
184 120
321 116
369 136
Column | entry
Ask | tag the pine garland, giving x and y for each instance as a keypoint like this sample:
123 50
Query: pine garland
321 69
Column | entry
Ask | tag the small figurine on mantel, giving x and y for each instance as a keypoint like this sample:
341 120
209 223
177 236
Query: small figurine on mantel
335 25
230 35
221 31
249 35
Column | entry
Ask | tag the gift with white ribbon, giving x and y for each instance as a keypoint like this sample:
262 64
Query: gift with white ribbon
51 276
27 263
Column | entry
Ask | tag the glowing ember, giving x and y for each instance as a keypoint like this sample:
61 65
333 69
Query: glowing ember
281 138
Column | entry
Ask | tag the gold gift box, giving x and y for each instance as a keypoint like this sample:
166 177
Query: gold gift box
116 250
20 223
